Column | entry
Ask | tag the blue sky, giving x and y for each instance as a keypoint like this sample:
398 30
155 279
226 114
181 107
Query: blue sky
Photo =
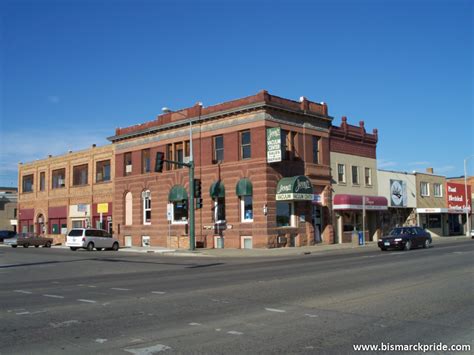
73 71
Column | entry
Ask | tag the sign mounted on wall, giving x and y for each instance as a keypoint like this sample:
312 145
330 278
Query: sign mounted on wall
398 193
273 145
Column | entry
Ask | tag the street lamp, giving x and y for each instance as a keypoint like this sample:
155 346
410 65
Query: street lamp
468 207
190 165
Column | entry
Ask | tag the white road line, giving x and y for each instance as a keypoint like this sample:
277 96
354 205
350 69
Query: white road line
120 289
311 315
195 324
234 332
64 324
22 313
53 296
87 301
100 341
22 291
275 310
158 292
148 351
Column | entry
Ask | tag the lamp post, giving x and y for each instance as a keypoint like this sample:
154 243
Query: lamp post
468 207
190 165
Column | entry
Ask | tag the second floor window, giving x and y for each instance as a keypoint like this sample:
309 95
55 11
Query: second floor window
218 149
424 188
79 175
179 154
355 175
42 181
102 169
341 173
127 163
287 144
27 183
368 177
146 162
58 178
315 150
245 145
438 190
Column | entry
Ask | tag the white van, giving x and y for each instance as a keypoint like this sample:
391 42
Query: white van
89 238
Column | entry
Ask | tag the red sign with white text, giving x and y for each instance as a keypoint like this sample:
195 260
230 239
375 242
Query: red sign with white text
456 195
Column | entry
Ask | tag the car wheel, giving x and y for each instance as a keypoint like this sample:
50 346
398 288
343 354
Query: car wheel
73 248
47 245
408 245
383 249
25 245
99 249
115 247
426 244
14 246
90 246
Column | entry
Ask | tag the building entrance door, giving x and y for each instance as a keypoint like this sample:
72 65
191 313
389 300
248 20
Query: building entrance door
317 223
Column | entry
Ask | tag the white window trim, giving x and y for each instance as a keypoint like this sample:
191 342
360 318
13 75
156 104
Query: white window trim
370 177
440 190
215 213
177 222
358 176
427 189
344 175
242 241
242 210
144 199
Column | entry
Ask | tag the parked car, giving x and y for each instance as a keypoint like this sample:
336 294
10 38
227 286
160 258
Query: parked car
6 234
89 238
28 239
405 238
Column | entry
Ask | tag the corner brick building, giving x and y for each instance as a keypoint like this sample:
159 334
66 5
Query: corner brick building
66 191
247 201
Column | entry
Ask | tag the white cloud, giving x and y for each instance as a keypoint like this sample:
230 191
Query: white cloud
382 163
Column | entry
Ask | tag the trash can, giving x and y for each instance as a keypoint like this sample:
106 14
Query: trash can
361 238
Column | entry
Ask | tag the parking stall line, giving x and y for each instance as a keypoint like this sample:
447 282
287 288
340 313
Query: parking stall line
53 296
86 301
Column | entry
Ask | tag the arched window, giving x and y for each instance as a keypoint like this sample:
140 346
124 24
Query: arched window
146 198
179 198
217 192
128 209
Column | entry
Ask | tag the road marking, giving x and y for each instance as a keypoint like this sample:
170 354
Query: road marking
120 289
55 282
148 351
195 324
218 329
23 291
91 286
311 315
275 310
22 313
87 301
158 292
53 296
234 332
100 341
64 324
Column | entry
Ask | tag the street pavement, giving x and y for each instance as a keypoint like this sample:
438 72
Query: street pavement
325 300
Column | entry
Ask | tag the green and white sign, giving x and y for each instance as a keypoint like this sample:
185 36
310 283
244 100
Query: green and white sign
296 188
273 145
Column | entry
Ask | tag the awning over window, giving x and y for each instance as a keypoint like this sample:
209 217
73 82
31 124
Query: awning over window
354 202
217 189
177 193
296 188
244 188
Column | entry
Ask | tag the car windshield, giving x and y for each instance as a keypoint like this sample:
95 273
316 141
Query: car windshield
397 231
75 233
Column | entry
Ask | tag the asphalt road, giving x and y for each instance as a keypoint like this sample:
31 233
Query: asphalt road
54 301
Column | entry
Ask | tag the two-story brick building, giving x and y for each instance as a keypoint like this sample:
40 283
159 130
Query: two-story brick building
248 200
62 192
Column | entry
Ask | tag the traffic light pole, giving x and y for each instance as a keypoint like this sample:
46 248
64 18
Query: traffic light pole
192 236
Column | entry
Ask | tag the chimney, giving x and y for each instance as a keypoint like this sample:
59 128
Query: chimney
429 170
93 145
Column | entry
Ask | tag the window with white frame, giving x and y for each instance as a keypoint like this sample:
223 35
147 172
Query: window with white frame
341 173
424 189
368 177
284 214
355 175
219 209
180 211
246 209
128 209
438 190
146 197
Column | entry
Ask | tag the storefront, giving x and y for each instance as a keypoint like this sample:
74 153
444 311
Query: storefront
434 220
351 210
80 216
458 207
57 220
25 217
102 216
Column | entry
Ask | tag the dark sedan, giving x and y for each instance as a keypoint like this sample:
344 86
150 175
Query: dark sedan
405 238
5 234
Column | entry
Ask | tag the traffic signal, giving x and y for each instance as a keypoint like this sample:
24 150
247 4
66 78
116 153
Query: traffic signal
197 188
198 203
159 162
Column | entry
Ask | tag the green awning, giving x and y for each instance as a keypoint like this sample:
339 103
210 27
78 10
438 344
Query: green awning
296 188
217 189
177 193
244 188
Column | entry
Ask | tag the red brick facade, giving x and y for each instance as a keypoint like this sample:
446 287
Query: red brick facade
353 140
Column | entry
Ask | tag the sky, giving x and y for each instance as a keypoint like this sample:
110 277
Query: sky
73 71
